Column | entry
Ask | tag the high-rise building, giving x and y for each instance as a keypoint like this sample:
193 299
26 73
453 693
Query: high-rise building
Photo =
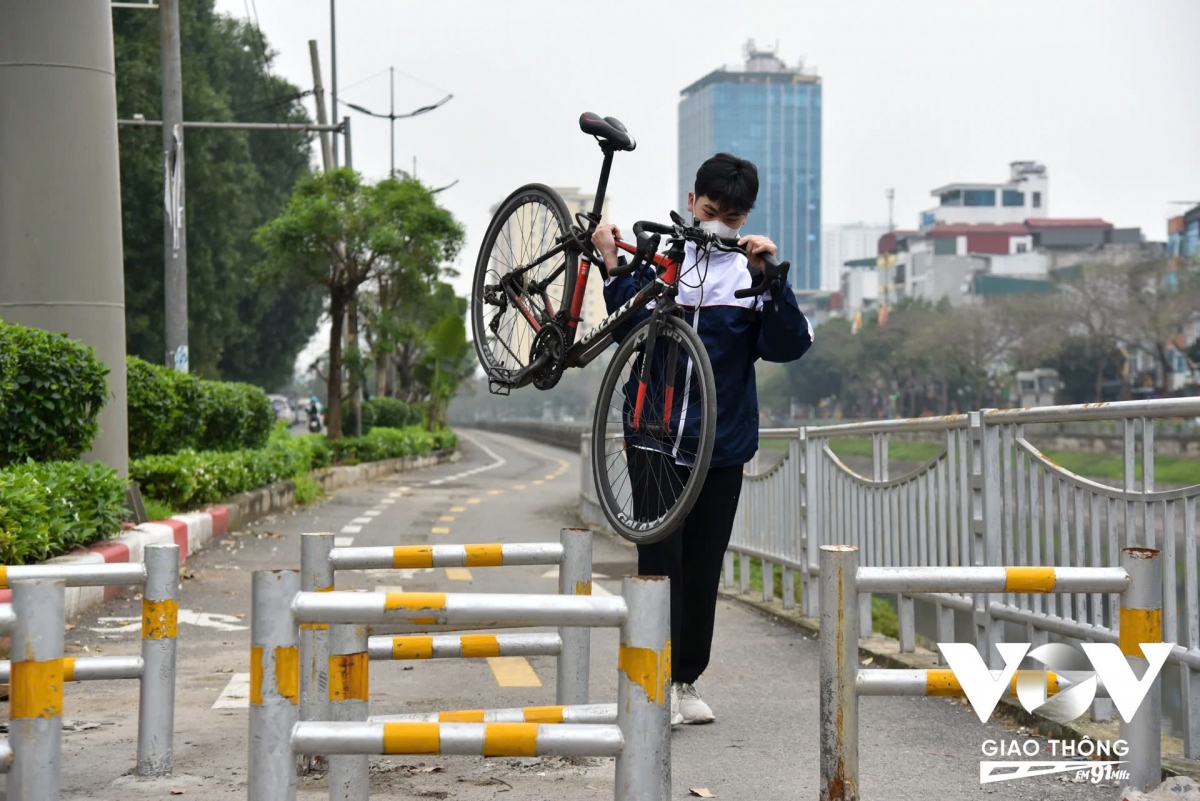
843 243
769 113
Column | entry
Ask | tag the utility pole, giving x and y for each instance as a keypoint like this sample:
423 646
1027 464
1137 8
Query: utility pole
319 97
333 111
891 196
392 116
175 281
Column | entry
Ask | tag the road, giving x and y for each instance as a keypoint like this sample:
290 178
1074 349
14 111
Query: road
762 683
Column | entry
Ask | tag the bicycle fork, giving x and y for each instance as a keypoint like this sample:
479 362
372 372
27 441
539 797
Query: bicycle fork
672 360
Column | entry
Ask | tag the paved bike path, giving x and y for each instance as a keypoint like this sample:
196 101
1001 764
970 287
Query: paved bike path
762 682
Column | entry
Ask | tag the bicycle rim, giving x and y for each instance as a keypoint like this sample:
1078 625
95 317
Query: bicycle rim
527 225
649 459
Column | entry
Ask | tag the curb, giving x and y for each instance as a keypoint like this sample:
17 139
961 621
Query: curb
885 652
193 530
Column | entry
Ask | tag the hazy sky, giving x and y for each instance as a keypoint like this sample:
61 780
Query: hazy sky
916 94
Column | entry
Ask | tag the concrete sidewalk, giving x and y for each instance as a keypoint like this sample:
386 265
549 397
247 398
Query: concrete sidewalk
762 682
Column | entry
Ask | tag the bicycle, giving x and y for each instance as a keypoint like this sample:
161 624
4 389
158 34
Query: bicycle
655 418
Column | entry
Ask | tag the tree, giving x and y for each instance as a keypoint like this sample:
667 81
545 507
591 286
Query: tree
446 362
337 232
1163 296
236 180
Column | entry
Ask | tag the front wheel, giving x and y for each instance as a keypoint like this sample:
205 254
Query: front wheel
653 431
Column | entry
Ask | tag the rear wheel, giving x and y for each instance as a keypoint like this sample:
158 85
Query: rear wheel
653 432
507 291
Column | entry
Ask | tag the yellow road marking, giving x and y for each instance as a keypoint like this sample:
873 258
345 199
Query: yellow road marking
513 671
472 500
440 530
458 574
457 509
539 481
518 486
495 492
447 518
549 476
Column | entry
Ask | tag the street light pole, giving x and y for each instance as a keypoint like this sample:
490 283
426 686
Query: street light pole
175 282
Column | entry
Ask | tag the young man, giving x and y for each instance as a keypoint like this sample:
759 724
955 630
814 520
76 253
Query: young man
735 333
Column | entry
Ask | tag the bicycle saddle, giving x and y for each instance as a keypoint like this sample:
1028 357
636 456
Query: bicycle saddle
610 129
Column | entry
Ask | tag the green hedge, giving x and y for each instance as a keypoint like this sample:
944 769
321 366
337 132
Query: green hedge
51 389
392 413
50 508
390 443
192 478
171 411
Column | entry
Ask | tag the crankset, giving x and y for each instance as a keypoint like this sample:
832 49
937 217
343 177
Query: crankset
550 348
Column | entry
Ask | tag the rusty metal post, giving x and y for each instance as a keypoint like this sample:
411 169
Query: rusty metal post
839 666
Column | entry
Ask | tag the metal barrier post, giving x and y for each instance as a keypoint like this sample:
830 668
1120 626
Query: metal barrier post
839 665
643 691
1141 622
160 624
316 575
35 725
274 686
574 578
349 774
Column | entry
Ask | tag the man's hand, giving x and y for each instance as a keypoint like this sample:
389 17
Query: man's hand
755 246
605 241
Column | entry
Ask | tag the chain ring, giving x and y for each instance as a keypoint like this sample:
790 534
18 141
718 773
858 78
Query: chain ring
549 340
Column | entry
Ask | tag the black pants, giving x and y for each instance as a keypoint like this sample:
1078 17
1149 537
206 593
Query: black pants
691 557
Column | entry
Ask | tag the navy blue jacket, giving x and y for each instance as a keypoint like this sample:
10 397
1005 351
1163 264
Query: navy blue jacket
735 332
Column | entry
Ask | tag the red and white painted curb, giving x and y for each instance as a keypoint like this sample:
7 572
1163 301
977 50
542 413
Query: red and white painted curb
190 532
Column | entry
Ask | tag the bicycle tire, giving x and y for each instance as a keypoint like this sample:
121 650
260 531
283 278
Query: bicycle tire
541 211
618 511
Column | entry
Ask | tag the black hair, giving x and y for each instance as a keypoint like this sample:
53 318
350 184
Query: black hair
728 181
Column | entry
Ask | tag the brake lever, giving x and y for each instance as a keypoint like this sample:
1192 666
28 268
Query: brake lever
775 270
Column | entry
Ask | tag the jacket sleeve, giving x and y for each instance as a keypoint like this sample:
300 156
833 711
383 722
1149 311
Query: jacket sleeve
620 290
784 334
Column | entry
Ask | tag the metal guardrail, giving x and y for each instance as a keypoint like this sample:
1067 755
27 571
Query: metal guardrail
639 739
320 560
1137 585
989 498
158 575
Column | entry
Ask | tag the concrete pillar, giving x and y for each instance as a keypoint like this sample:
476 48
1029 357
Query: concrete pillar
60 193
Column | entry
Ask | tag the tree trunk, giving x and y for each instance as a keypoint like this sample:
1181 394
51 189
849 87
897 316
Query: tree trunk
1099 388
333 382
352 348
391 375
381 361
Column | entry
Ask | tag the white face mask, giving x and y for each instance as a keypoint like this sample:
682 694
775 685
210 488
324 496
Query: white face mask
719 228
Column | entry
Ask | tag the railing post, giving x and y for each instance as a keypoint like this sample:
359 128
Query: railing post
813 521
274 686
643 691
349 774
316 575
743 573
727 570
35 705
160 622
1141 622
574 578
838 645
986 519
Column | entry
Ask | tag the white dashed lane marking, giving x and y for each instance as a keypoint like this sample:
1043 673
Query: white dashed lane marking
361 520
351 529
372 513
236 694
343 542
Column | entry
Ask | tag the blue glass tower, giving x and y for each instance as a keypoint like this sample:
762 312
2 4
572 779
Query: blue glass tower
770 114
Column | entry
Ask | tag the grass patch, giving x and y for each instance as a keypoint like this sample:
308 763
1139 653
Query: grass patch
883 616
156 509
307 489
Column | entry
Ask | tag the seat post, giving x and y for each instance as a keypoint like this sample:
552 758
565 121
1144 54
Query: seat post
598 207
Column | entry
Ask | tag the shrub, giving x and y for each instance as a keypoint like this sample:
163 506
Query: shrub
170 411
235 416
50 508
349 416
189 479
52 388
393 413
154 409
307 489
383 443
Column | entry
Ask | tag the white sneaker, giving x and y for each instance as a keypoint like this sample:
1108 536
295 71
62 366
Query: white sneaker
676 718
692 709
